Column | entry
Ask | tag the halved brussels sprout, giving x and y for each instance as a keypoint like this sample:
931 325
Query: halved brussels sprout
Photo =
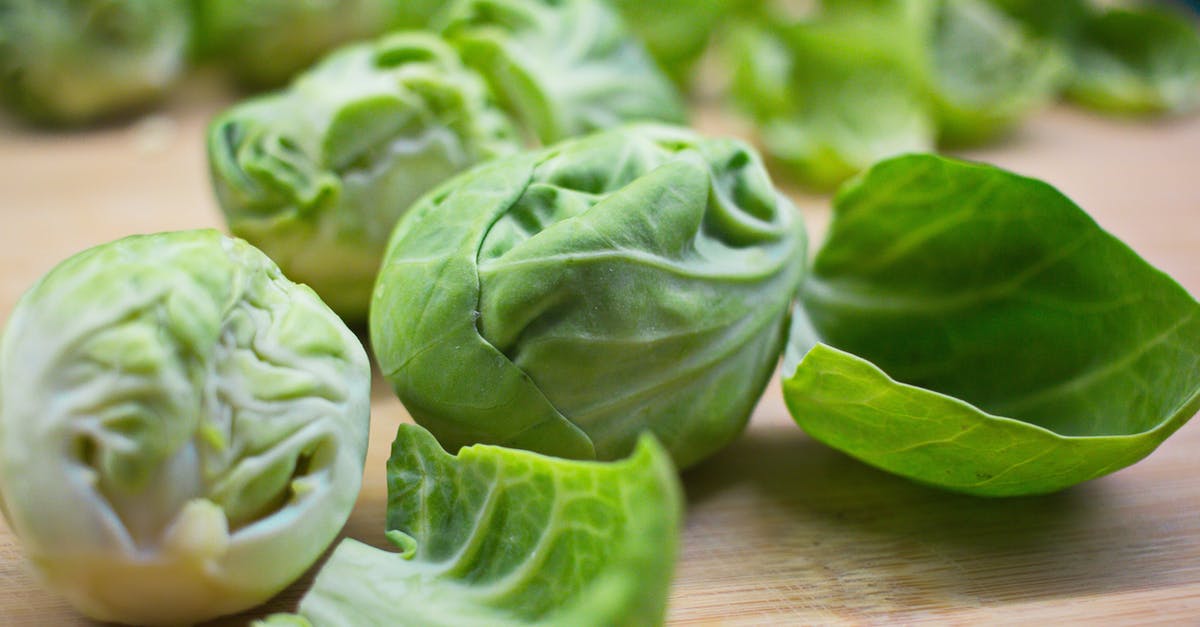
74 61
317 175
567 300
182 429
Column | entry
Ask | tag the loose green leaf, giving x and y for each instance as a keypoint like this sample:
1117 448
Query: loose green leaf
182 429
1142 61
76 61
319 174
499 537
562 67
977 331
567 300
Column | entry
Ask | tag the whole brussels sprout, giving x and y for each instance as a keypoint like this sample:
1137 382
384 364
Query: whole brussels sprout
566 300
316 176
266 42
74 61
562 67
182 429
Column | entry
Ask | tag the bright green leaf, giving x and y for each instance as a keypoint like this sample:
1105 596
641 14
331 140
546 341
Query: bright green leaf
975 330
500 537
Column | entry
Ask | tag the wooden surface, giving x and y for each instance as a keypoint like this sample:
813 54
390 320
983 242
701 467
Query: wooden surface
780 529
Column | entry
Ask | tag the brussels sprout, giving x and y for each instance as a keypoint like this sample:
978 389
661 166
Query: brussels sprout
676 32
502 538
1141 61
863 80
831 97
317 175
566 300
562 67
75 61
266 42
182 429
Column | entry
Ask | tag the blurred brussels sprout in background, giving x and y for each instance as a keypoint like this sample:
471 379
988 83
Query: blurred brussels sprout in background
987 72
1132 59
182 429
562 67
76 61
265 42
861 80
317 175
833 96
675 32
1142 61
566 300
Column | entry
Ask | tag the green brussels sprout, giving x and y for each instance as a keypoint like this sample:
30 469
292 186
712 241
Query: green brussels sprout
676 32
182 429
317 175
562 67
566 300
76 61
266 42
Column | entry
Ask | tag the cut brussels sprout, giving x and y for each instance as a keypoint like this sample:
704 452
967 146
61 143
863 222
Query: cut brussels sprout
316 176
75 61
266 42
562 67
567 300
975 330
182 429
496 537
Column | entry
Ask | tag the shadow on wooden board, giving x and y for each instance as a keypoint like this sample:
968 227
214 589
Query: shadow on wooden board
828 534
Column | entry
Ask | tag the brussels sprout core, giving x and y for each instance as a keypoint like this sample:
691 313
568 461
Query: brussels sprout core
182 429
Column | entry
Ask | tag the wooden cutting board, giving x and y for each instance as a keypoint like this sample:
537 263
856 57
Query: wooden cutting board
780 529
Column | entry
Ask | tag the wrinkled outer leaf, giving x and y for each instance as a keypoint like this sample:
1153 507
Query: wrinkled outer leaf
1141 61
71 62
182 429
975 330
497 537
564 301
317 175
563 67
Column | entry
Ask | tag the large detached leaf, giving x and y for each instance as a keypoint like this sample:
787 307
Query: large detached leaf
975 330
562 67
502 537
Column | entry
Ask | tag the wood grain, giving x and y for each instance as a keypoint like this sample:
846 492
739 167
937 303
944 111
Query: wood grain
780 529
